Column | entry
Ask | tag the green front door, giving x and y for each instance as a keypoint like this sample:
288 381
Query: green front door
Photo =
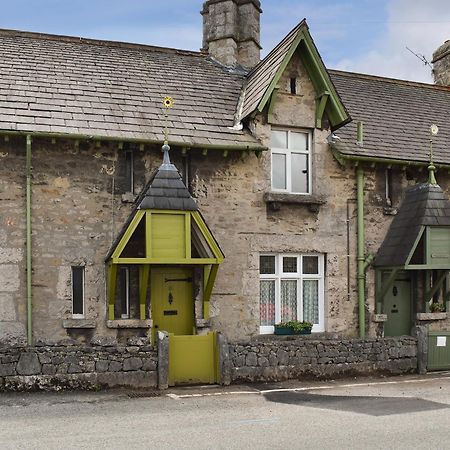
397 306
172 300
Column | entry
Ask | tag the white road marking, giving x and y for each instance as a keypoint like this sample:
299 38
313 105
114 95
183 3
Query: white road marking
307 388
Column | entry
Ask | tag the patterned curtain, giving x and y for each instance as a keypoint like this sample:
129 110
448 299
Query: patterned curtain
311 301
267 302
288 300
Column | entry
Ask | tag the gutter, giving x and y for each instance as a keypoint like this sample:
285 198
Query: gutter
29 266
41 134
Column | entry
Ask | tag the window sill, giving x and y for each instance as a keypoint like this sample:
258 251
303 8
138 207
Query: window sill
431 316
274 199
79 323
129 323
379 318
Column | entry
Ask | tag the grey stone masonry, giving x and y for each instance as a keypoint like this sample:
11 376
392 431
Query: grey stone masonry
277 358
68 365
231 31
441 64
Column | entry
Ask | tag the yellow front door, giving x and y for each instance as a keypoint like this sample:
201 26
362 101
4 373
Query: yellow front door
172 300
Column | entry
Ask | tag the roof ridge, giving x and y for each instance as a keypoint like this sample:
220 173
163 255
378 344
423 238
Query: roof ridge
388 79
99 42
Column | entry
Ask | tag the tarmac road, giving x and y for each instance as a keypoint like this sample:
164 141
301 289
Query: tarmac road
390 413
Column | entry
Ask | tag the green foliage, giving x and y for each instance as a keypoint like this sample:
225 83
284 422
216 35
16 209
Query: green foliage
295 325
437 307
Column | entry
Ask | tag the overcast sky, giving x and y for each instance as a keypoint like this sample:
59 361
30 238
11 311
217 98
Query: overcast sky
367 36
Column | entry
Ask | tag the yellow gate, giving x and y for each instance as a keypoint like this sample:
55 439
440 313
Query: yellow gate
193 359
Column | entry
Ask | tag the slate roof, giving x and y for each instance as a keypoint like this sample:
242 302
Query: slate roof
260 77
164 190
423 205
397 116
75 86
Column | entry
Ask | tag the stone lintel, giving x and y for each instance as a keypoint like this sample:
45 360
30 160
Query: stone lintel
129 323
79 323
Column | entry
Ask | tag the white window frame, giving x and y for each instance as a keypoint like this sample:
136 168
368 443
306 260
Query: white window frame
83 272
288 152
300 277
127 293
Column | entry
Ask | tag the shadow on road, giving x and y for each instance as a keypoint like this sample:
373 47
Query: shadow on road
373 406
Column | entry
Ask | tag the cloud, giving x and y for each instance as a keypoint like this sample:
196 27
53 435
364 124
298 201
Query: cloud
421 26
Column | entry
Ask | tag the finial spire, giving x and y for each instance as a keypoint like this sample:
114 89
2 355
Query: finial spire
167 103
431 167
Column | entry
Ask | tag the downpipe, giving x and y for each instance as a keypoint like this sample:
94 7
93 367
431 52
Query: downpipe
29 266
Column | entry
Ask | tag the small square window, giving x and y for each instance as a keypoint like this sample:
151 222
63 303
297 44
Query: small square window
310 265
290 264
267 264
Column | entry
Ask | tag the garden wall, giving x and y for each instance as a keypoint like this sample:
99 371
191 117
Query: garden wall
277 358
67 365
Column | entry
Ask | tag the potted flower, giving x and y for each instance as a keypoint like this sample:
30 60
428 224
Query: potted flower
437 308
293 327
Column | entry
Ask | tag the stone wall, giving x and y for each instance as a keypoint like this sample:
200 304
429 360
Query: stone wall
67 365
282 358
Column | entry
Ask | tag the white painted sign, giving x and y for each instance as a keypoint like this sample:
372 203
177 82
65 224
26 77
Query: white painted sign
441 341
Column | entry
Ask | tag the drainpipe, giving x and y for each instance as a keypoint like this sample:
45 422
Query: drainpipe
360 251
28 240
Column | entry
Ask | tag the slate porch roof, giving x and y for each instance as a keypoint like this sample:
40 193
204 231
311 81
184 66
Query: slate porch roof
397 116
75 86
165 190
424 205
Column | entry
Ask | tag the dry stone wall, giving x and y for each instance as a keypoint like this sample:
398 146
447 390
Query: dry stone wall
67 365
283 358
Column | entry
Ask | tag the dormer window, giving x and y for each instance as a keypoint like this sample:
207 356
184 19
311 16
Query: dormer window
291 161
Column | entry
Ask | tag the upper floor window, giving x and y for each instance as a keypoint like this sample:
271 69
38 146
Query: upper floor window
291 161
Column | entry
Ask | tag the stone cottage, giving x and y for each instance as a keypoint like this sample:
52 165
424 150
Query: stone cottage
276 190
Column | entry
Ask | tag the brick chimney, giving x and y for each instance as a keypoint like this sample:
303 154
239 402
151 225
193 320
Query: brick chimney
441 64
231 31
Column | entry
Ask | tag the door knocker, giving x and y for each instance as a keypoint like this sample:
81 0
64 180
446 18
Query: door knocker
170 298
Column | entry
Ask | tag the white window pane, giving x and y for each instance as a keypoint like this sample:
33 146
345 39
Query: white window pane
299 174
290 264
311 301
279 139
288 300
311 265
279 171
298 141
267 264
267 302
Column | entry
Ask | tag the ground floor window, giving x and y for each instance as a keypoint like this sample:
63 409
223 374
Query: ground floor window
291 288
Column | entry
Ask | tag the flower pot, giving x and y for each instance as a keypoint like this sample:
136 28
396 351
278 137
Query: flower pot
283 331
305 331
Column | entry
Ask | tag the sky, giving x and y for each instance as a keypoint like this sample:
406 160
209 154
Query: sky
368 36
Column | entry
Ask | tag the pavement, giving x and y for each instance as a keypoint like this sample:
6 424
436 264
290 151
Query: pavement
391 413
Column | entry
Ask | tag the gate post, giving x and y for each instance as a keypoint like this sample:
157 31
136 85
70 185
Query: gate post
422 348
224 369
163 360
